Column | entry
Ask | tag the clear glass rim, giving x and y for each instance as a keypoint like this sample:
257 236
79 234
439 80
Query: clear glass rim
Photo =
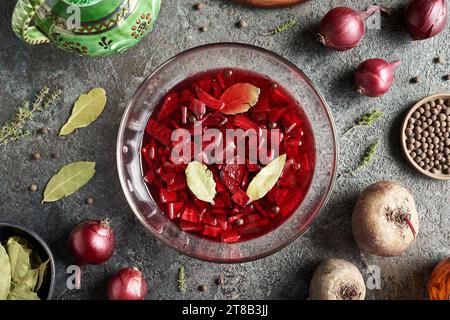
312 216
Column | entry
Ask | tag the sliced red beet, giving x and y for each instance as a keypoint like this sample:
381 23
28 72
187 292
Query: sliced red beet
232 174
220 211
222 222
290 121
216 119
168 178
173 209
217 90
211 231
231 236
184 114
252 218
242 121
282 196
245 181
276 113
168 106
259 208
253 167
198 108
150 177
221 79
209 219
191 215
190 226
240 198
209 100
261 106
167 196
254 227
235 217
205 85
159 132
178 183
278 98
149 151
186 96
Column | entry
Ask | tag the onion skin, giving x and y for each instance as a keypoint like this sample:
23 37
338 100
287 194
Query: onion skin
374 77
426 18
128 284
92 242
343 28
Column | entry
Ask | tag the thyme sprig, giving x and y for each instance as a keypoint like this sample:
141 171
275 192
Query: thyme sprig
281 28
366 160
14 129
181 279
366 120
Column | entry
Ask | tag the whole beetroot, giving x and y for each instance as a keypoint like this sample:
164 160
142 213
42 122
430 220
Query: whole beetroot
337 279
385 221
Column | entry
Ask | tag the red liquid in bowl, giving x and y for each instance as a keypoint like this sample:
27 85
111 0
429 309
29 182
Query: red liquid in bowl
228 220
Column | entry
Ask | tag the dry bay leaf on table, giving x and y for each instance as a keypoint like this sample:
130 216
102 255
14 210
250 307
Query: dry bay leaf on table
85 111
5 273
68 180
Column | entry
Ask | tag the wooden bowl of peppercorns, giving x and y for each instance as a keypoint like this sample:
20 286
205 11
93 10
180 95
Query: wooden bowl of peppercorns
426 136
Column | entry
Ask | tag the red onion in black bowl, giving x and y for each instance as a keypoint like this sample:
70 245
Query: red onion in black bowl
426 18
374 77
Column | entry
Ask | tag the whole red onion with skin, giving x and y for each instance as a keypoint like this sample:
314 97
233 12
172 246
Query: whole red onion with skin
92 242
128 284
374 77
426 18
343 28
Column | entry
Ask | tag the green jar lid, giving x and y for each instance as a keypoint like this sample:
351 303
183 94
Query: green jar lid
82 3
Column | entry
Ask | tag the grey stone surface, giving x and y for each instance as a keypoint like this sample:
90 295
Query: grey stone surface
286 274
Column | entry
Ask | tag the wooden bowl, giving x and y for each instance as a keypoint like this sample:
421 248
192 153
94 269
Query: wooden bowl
269 3
439 175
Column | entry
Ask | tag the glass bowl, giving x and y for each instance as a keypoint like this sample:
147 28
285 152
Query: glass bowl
149 94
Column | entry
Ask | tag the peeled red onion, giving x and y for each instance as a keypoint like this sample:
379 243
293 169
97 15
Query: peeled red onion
128 284
343 28
426 18
374 77
92 242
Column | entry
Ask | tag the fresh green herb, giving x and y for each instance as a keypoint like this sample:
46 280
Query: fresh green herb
366 160
15 129
281 28
367 120
181 279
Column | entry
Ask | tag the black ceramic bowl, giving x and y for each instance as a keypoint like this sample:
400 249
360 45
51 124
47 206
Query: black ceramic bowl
39 247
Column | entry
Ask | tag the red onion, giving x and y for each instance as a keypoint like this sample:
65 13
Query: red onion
128 284
426 18
374 77
343 28
92 242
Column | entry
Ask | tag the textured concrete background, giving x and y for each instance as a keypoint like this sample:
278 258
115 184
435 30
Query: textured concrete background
25 69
